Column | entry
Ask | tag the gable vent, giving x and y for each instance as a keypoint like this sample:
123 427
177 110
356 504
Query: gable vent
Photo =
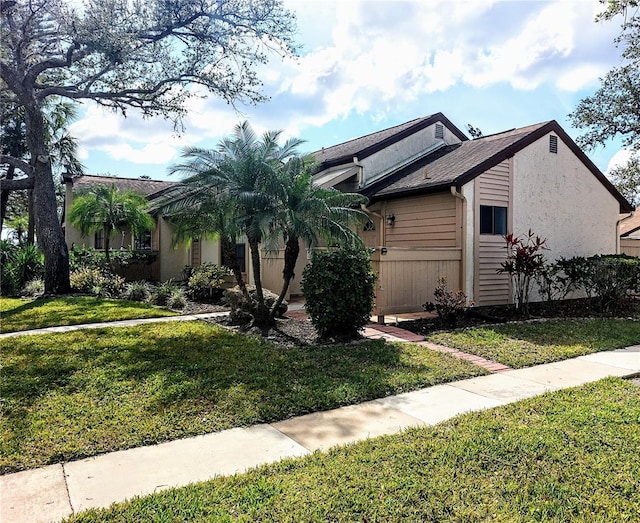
553 144
439 131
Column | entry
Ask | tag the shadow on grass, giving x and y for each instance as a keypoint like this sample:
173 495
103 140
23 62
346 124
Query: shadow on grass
77 394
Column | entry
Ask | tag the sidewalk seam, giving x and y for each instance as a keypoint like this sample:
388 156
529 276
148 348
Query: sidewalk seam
66 488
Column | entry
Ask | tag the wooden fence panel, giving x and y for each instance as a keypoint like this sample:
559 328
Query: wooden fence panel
408 277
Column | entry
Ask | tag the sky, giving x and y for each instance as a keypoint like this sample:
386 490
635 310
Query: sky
366 65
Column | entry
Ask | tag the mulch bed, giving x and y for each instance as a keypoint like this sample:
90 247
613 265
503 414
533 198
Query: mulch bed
479 316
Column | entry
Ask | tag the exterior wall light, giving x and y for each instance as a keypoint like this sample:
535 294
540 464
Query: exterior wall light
391 219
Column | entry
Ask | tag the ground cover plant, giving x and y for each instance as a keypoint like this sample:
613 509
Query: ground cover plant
19 314
569 455
77 394
532 343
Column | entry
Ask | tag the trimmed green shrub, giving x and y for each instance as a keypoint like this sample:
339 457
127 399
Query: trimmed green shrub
339 289
610 277
96 282
206 282
605 279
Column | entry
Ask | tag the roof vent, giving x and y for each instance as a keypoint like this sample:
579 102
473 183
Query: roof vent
425 175
553 144
439 131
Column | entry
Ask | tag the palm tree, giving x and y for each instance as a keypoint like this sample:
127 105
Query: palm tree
309 213
110 210
203 215
242 171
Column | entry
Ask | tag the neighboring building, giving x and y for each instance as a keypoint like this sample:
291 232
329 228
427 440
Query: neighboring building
440 204
170 260
630 234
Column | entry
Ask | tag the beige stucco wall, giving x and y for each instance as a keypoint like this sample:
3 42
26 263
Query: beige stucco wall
172 261
558 198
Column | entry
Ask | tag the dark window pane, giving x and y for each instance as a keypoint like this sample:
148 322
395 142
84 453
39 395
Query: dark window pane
500 220
98 241
486 219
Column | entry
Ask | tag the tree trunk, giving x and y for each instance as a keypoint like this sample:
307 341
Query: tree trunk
50 236
4 196
291 253
261 316
31 228
106 244
229 250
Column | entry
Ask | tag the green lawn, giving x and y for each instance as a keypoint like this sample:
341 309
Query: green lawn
81 393
18 314
570 455
524 344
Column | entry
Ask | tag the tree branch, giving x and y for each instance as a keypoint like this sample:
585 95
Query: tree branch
17 163
16 185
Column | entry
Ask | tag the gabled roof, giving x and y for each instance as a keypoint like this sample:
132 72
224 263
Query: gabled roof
139 185
458 164
630 225
374 142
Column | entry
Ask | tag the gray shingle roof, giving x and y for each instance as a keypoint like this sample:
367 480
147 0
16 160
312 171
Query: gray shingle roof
448 166
139 185
366 145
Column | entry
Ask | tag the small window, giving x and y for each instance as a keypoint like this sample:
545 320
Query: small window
553 144
240 256
493 220
439 131
369 226
98 240
143 242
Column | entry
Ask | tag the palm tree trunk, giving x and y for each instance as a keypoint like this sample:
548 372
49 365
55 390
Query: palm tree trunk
228 248
261 316
291 253
107 245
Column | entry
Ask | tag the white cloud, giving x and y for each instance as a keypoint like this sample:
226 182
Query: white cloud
378 57
619 159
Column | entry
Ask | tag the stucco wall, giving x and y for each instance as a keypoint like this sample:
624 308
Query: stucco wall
558 198
172 261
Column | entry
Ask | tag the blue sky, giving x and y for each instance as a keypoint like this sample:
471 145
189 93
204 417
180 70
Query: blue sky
371 64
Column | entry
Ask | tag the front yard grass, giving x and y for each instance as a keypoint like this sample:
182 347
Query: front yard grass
570 455
18 314
82 393
523 344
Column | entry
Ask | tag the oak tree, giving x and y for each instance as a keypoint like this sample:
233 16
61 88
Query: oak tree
150 56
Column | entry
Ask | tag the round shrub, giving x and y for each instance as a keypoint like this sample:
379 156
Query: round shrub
137 291
339 289
207 281
176 300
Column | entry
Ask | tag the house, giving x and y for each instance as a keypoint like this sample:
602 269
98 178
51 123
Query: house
630 234
170 260
440 204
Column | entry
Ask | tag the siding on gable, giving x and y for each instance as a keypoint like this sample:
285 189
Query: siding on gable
493 188
424 221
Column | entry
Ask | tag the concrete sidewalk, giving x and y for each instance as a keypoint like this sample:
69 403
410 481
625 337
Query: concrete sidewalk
54 492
